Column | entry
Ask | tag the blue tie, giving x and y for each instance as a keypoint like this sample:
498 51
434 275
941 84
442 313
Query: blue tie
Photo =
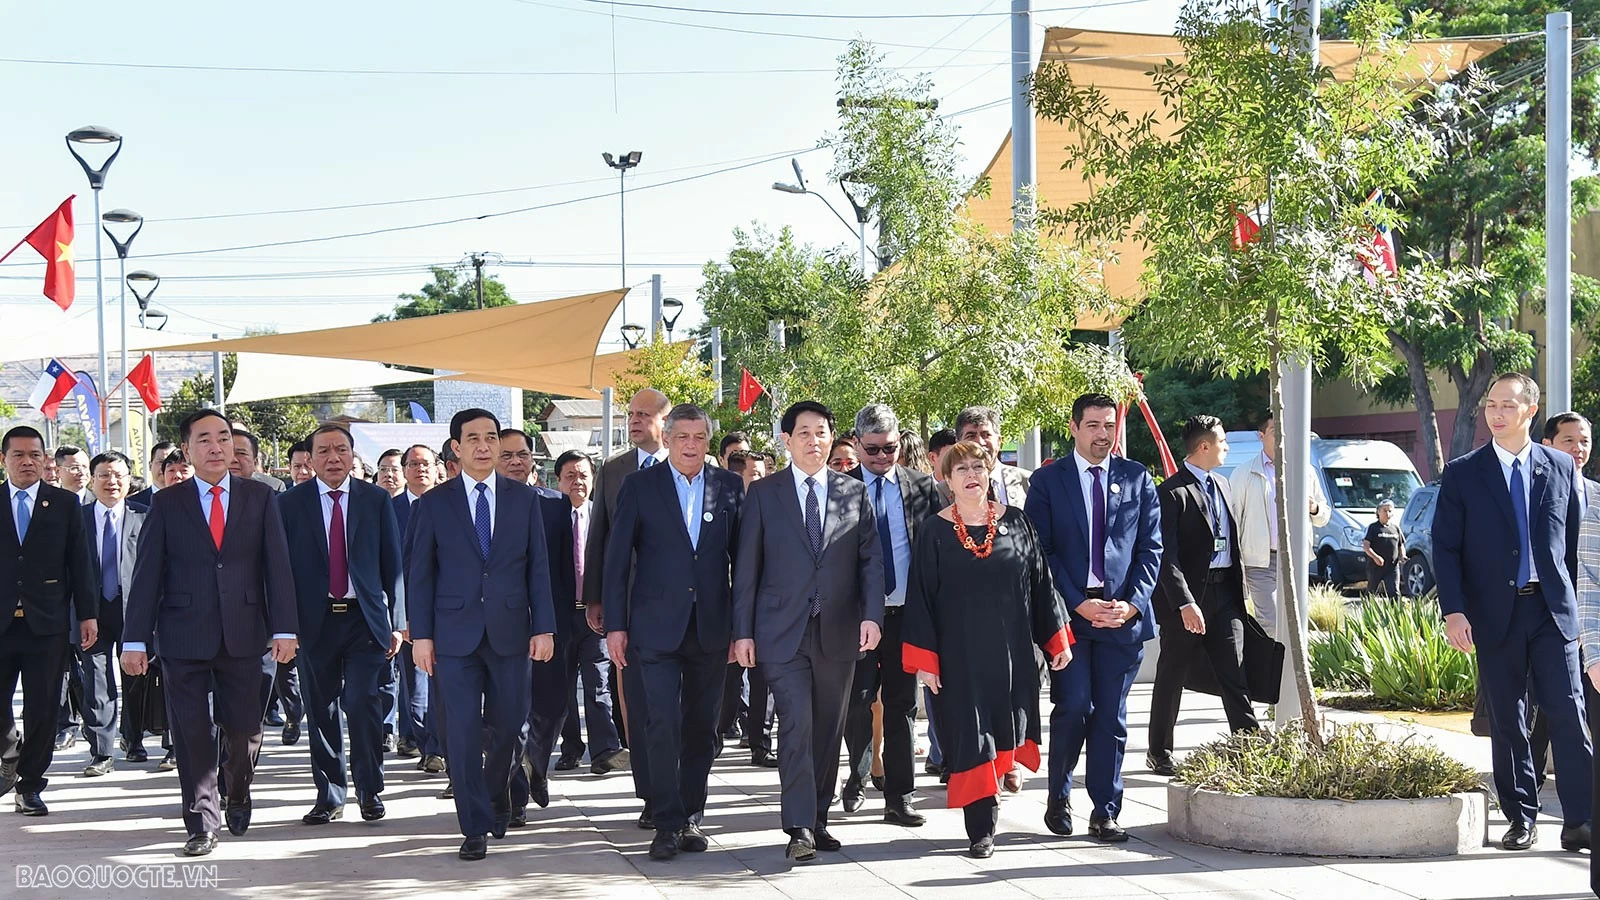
108 561
1519 506
648 462
1216 518
480 518
884 538
23 517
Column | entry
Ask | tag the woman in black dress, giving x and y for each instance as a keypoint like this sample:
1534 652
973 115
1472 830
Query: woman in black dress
978 598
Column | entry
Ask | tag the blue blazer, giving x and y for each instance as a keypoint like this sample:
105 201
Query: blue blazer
671 576
454 596
372 540
1133 541
1475 540
557 512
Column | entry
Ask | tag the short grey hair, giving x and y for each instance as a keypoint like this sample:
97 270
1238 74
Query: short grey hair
973 415
688 412
877 418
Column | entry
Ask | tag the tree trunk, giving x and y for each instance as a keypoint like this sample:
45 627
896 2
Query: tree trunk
1472 384
1291 583
1427 412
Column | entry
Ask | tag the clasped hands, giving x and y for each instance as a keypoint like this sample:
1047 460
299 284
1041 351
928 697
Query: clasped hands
1107 613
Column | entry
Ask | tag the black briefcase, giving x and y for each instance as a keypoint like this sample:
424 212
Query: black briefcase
1263 666
145 699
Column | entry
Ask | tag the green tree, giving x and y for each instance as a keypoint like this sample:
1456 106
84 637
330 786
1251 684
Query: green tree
1483 207
283 421
684 378
1250 120
1586 393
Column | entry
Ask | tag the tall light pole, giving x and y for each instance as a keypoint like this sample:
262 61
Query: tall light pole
143 283
97 137
123 218
622 164
1558 211
632 333
671 309
859 229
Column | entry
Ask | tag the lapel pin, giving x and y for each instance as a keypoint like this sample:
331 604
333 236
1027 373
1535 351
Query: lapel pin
1003 530
707 516
1116 488
44 503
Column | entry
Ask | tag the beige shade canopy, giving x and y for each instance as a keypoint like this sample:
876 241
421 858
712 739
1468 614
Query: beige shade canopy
607 367
1116 63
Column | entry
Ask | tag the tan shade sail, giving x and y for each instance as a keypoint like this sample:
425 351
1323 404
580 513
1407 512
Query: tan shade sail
603 375
1116 63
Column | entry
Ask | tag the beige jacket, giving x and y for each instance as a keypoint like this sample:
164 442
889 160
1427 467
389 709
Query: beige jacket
1252 513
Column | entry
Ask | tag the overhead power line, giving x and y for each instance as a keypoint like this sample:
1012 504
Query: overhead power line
455 73
776 14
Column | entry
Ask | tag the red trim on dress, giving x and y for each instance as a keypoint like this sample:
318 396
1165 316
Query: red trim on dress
1061 640
914 659
983 780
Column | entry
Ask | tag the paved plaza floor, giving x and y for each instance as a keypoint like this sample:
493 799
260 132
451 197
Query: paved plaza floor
586 844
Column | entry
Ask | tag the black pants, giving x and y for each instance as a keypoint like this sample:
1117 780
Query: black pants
208 700
38 661
683 688
1223 644
982 816
752 712
881 669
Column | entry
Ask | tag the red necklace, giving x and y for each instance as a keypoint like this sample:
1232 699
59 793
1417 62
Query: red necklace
983 551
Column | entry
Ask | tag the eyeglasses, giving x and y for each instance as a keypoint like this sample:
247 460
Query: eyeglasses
885 450
388 470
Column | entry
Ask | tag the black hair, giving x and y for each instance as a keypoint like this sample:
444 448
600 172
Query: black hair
739 459
944 437
508 432
175 458
330 428
1198 430
300 447
1087 402
405 458
21 433
255 444
392 451
792 414
161 449
1552 425
448 454
731 438
108 457
572 456
460 420
66 450
188 423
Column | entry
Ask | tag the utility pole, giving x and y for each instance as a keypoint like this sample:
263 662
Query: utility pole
1558 210
1023 178
477 268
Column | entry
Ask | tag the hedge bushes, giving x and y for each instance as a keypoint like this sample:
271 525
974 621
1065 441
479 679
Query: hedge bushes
1396 650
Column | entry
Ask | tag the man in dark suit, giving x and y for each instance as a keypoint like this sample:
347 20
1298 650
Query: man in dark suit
418 737
155 474
45 583
581 649
1099 524
478 595
808 602
344 544
647 417
112 526
901 499
676 528
1200 590
1506 588
213 589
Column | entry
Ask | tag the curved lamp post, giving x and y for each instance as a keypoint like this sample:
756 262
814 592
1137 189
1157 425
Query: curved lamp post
671 309
94 139
622 163
131 223
631 335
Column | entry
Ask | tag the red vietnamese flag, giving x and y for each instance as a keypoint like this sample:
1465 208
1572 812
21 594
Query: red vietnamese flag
53 240
750 390
1245 230
142 378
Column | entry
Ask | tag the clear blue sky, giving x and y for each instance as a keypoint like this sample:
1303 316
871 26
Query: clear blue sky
225 143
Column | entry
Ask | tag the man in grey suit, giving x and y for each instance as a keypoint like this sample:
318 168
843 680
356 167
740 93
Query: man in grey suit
647 422
808 603
1008 484
112 525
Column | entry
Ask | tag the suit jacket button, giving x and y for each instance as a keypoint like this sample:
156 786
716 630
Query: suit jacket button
691 590
697 557
219 565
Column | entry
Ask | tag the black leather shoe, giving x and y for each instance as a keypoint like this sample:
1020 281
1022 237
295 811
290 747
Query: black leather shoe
647 819
877 783
502 820
539 790
291 734
274 719
476 846
611 761
982 848
933 769
8 776
1520 836
519 818
692 840
823 839
29 804
372 808
65 741
433 764
1058 817
1107 831
99 765
168 762
1160 764
200 844
802 845
566 763
853 796
763 760
390 743
664 845
1575 838
449 792
902 814
137 755
322 815
238 818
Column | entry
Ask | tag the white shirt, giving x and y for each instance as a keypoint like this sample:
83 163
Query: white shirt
412 498
1272 498
325 493
1523 456
660 456
1086 484
472 498
117 514
999 485
1219 521
32 493
822 493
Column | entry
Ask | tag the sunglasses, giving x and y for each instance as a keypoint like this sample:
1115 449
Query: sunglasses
885 450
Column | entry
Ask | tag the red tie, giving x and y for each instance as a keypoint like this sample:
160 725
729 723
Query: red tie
338 563
216 515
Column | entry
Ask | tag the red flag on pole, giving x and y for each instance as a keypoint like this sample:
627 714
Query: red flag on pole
142 378
1245 230
53 240
750 390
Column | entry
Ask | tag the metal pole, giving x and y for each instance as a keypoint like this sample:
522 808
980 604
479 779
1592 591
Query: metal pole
655 308
122 278
861 233
100 315
477 266
605 422
716 358
216 374
1558 210
1022 160
390 410
622 204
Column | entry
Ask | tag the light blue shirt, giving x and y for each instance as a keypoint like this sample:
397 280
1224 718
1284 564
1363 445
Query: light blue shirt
1524 456
822 493
1223 559
472 499
892 508
32 495
691 501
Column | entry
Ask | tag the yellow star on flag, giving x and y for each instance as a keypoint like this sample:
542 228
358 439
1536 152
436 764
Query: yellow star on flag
64 252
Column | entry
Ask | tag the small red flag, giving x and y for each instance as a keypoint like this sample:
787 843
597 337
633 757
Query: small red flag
143 379
750 390
53 240
1245 230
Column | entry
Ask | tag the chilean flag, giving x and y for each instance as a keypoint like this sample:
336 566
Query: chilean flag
54 385
1380 251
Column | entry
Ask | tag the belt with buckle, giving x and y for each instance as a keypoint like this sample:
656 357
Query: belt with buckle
17 614
1526 590
340 604
893 610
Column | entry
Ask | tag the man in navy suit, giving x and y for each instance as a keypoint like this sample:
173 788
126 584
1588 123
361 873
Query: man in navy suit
478 593
677 528
1506 588
344 544
418 738
1099 523
212 588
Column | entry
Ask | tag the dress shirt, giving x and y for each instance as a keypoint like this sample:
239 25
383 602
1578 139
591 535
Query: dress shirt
32 493
472 498
412 498
1086 484
998 484
1271 472
691 500
899 538
325 494
118 513
660 456
800 490
1220 516
1524 456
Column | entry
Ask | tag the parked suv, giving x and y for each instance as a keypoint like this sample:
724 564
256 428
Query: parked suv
1416 570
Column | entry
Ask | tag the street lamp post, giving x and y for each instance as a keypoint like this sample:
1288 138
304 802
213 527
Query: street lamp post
671 309
123 218
622 164
143 284
859 229
631 335
97 136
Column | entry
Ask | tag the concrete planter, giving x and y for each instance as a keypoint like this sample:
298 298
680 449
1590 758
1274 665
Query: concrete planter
1438 826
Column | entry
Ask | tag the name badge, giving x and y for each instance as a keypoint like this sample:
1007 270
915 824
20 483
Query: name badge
707 516
1219 545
